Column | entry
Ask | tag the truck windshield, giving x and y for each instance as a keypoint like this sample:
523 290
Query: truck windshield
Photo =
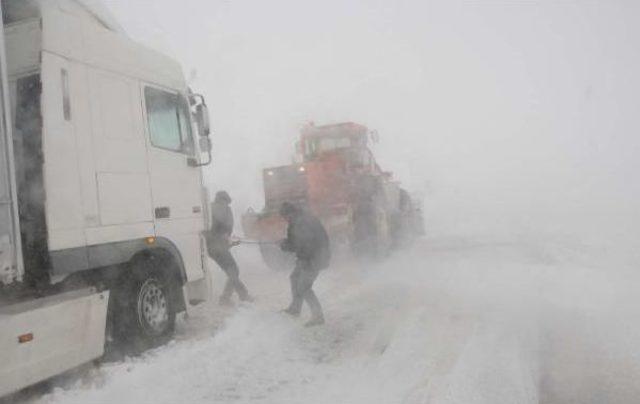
314 146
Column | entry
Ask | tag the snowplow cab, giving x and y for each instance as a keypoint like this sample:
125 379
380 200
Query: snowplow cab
321 141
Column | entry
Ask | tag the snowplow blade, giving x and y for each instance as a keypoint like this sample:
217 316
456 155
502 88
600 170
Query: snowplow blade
275 258
270 228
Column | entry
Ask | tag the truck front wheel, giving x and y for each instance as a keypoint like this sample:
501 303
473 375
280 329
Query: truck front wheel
154 314
144 310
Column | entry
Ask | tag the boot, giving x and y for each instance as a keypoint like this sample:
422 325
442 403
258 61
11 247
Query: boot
290 311
225 301
314 322
247 299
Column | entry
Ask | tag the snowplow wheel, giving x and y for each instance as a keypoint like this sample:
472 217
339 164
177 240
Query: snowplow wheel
275 258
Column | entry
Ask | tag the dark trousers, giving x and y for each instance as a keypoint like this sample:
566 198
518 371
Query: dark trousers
302 279
230 267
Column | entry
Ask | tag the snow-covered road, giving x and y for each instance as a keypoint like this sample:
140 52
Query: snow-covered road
452 320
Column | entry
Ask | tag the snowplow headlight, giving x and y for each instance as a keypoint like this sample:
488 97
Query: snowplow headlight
302 169
270 173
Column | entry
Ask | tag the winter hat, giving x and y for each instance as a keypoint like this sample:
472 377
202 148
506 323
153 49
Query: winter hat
222 196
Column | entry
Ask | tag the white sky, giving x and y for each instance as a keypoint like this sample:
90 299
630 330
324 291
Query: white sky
522 108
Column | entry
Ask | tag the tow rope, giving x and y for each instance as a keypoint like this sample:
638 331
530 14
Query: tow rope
256 242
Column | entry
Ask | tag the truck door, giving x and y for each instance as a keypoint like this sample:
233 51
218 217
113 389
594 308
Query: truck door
10 246
176 186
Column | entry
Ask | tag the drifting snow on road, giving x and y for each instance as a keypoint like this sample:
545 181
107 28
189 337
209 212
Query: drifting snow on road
449 321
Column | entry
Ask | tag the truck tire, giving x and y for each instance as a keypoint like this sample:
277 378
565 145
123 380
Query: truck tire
145 313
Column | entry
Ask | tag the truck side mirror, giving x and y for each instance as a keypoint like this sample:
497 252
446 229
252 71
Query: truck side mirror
205 144
205 147
200 114
202 119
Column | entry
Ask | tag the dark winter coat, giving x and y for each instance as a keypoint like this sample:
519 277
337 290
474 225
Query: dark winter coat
308 239
221 227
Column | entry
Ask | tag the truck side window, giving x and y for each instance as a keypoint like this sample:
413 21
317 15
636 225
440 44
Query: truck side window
169 126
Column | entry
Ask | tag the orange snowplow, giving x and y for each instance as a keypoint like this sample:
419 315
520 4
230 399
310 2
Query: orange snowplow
338 179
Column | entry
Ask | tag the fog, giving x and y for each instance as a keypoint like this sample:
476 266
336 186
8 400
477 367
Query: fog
517 123
517 114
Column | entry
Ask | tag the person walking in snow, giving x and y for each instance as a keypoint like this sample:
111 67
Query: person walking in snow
218 245
308 240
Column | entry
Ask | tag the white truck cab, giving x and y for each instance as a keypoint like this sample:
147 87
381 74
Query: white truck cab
102 203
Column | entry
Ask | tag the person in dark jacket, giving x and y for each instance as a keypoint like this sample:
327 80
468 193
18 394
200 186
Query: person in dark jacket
308 240
218 245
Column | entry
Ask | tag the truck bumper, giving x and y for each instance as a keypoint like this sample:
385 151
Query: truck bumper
44 337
